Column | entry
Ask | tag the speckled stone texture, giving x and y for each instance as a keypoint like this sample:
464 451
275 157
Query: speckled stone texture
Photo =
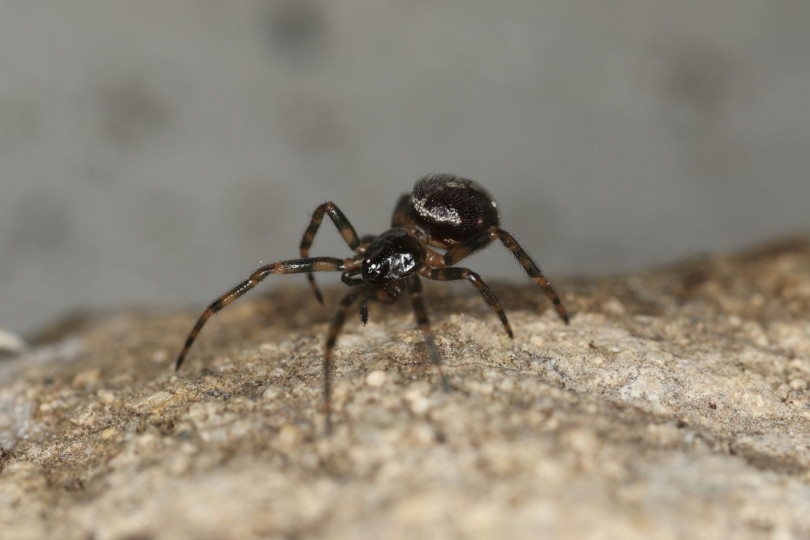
675 405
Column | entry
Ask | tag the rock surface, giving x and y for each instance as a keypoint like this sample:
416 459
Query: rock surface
675 405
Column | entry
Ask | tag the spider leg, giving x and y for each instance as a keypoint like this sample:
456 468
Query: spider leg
531 268
335 327
415 287
400 217
465 249
460 251
344 227
450 274
293 266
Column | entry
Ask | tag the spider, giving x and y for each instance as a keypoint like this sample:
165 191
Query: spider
444 211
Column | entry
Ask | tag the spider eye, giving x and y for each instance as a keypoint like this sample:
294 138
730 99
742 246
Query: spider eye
377 271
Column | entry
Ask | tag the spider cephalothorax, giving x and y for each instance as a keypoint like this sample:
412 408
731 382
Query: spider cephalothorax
444 211
392 256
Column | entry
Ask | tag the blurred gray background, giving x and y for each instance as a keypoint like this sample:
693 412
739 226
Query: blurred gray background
154 153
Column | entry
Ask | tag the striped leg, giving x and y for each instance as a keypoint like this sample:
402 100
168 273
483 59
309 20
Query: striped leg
335 327
294 266
450 274
531 268
461 251
344 227
415 287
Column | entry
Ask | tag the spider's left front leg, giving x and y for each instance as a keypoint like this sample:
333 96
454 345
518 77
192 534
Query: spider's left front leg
344 227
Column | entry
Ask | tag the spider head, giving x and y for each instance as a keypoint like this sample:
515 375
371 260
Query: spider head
392 256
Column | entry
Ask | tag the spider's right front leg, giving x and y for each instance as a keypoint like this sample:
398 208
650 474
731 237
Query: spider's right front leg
294 266
344 227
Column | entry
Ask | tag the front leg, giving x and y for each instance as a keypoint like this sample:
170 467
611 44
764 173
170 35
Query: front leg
344 227
294 266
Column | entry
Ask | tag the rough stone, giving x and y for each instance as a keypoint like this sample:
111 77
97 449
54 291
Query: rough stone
674 405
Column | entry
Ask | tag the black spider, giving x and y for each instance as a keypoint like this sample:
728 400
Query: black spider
444 211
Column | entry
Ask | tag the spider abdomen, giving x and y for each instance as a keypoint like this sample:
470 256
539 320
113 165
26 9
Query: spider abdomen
450 209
